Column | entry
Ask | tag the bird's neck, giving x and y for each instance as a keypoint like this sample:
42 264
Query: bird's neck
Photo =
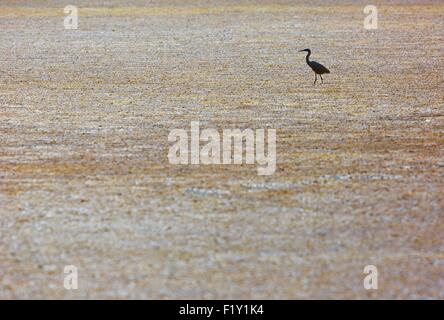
306 58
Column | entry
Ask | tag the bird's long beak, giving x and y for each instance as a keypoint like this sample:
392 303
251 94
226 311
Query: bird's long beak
301 50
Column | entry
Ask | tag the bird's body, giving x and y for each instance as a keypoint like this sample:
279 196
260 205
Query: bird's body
317 68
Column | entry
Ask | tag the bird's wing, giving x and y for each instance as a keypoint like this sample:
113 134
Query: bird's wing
318 68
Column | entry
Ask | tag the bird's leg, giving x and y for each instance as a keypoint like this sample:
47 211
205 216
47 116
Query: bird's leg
316 78
322 80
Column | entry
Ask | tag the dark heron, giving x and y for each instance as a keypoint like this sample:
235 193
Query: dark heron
318 68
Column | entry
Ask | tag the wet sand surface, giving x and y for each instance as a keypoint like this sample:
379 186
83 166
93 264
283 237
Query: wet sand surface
85 179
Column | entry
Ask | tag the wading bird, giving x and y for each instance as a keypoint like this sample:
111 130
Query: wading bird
318 68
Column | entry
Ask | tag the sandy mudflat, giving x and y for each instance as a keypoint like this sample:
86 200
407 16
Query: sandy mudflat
85 179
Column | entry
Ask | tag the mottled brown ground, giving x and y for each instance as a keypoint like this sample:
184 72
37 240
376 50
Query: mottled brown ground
85 179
